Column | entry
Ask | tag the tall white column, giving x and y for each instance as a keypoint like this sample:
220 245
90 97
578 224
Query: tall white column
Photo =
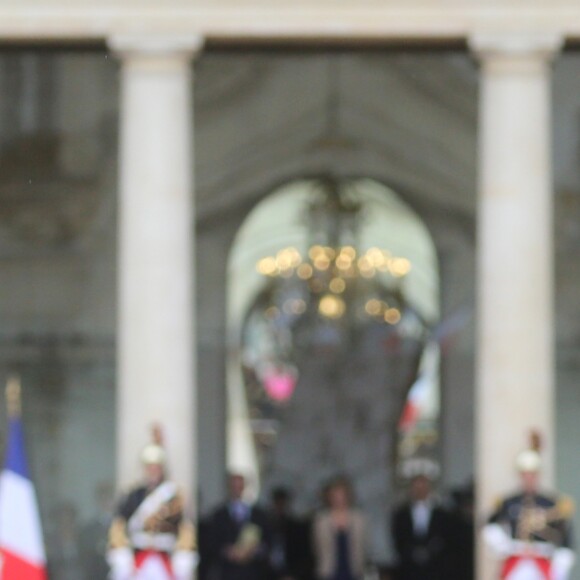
515 375
156 348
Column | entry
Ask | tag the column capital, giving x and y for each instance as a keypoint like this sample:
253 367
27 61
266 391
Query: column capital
516 46
141 45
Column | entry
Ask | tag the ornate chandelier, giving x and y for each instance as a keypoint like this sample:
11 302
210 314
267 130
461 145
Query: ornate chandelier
331 275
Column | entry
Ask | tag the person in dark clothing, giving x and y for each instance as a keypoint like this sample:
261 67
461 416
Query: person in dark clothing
93 535
240 537
463 544
291 555
422 535
204 548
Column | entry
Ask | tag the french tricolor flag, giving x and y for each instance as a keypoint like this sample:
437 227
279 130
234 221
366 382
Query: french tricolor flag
22 554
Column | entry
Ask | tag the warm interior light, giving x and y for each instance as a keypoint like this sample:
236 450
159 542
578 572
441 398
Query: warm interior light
400 267
392 316
315 252
267 266
327 271
349 252
304 271
373 307
343 262
331 306
337 285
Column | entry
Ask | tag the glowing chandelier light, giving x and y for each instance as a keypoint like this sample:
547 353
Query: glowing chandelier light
332 268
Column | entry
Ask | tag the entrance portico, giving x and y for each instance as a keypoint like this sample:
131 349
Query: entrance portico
156 330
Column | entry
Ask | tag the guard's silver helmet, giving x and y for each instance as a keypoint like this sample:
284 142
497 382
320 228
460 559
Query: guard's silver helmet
530 460
154 452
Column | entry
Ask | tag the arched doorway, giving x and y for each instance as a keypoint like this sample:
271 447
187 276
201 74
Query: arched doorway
313 393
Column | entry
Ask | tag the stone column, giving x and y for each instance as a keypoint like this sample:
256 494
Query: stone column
156 347
515 374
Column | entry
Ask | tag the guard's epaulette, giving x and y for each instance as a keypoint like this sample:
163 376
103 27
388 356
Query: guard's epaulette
498 502
117 534
186 537
565 506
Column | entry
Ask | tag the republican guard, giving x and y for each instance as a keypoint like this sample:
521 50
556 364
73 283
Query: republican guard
150 538
531 531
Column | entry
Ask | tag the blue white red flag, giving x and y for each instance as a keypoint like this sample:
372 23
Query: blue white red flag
22 555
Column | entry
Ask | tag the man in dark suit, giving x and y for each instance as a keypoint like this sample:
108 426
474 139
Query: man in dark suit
291 555
240 537
422 535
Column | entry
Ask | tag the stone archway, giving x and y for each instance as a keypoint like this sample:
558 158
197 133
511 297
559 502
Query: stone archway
345 409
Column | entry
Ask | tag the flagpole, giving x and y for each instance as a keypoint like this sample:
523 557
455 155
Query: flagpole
13 396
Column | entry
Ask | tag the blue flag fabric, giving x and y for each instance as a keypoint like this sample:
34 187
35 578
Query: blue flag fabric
15 455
